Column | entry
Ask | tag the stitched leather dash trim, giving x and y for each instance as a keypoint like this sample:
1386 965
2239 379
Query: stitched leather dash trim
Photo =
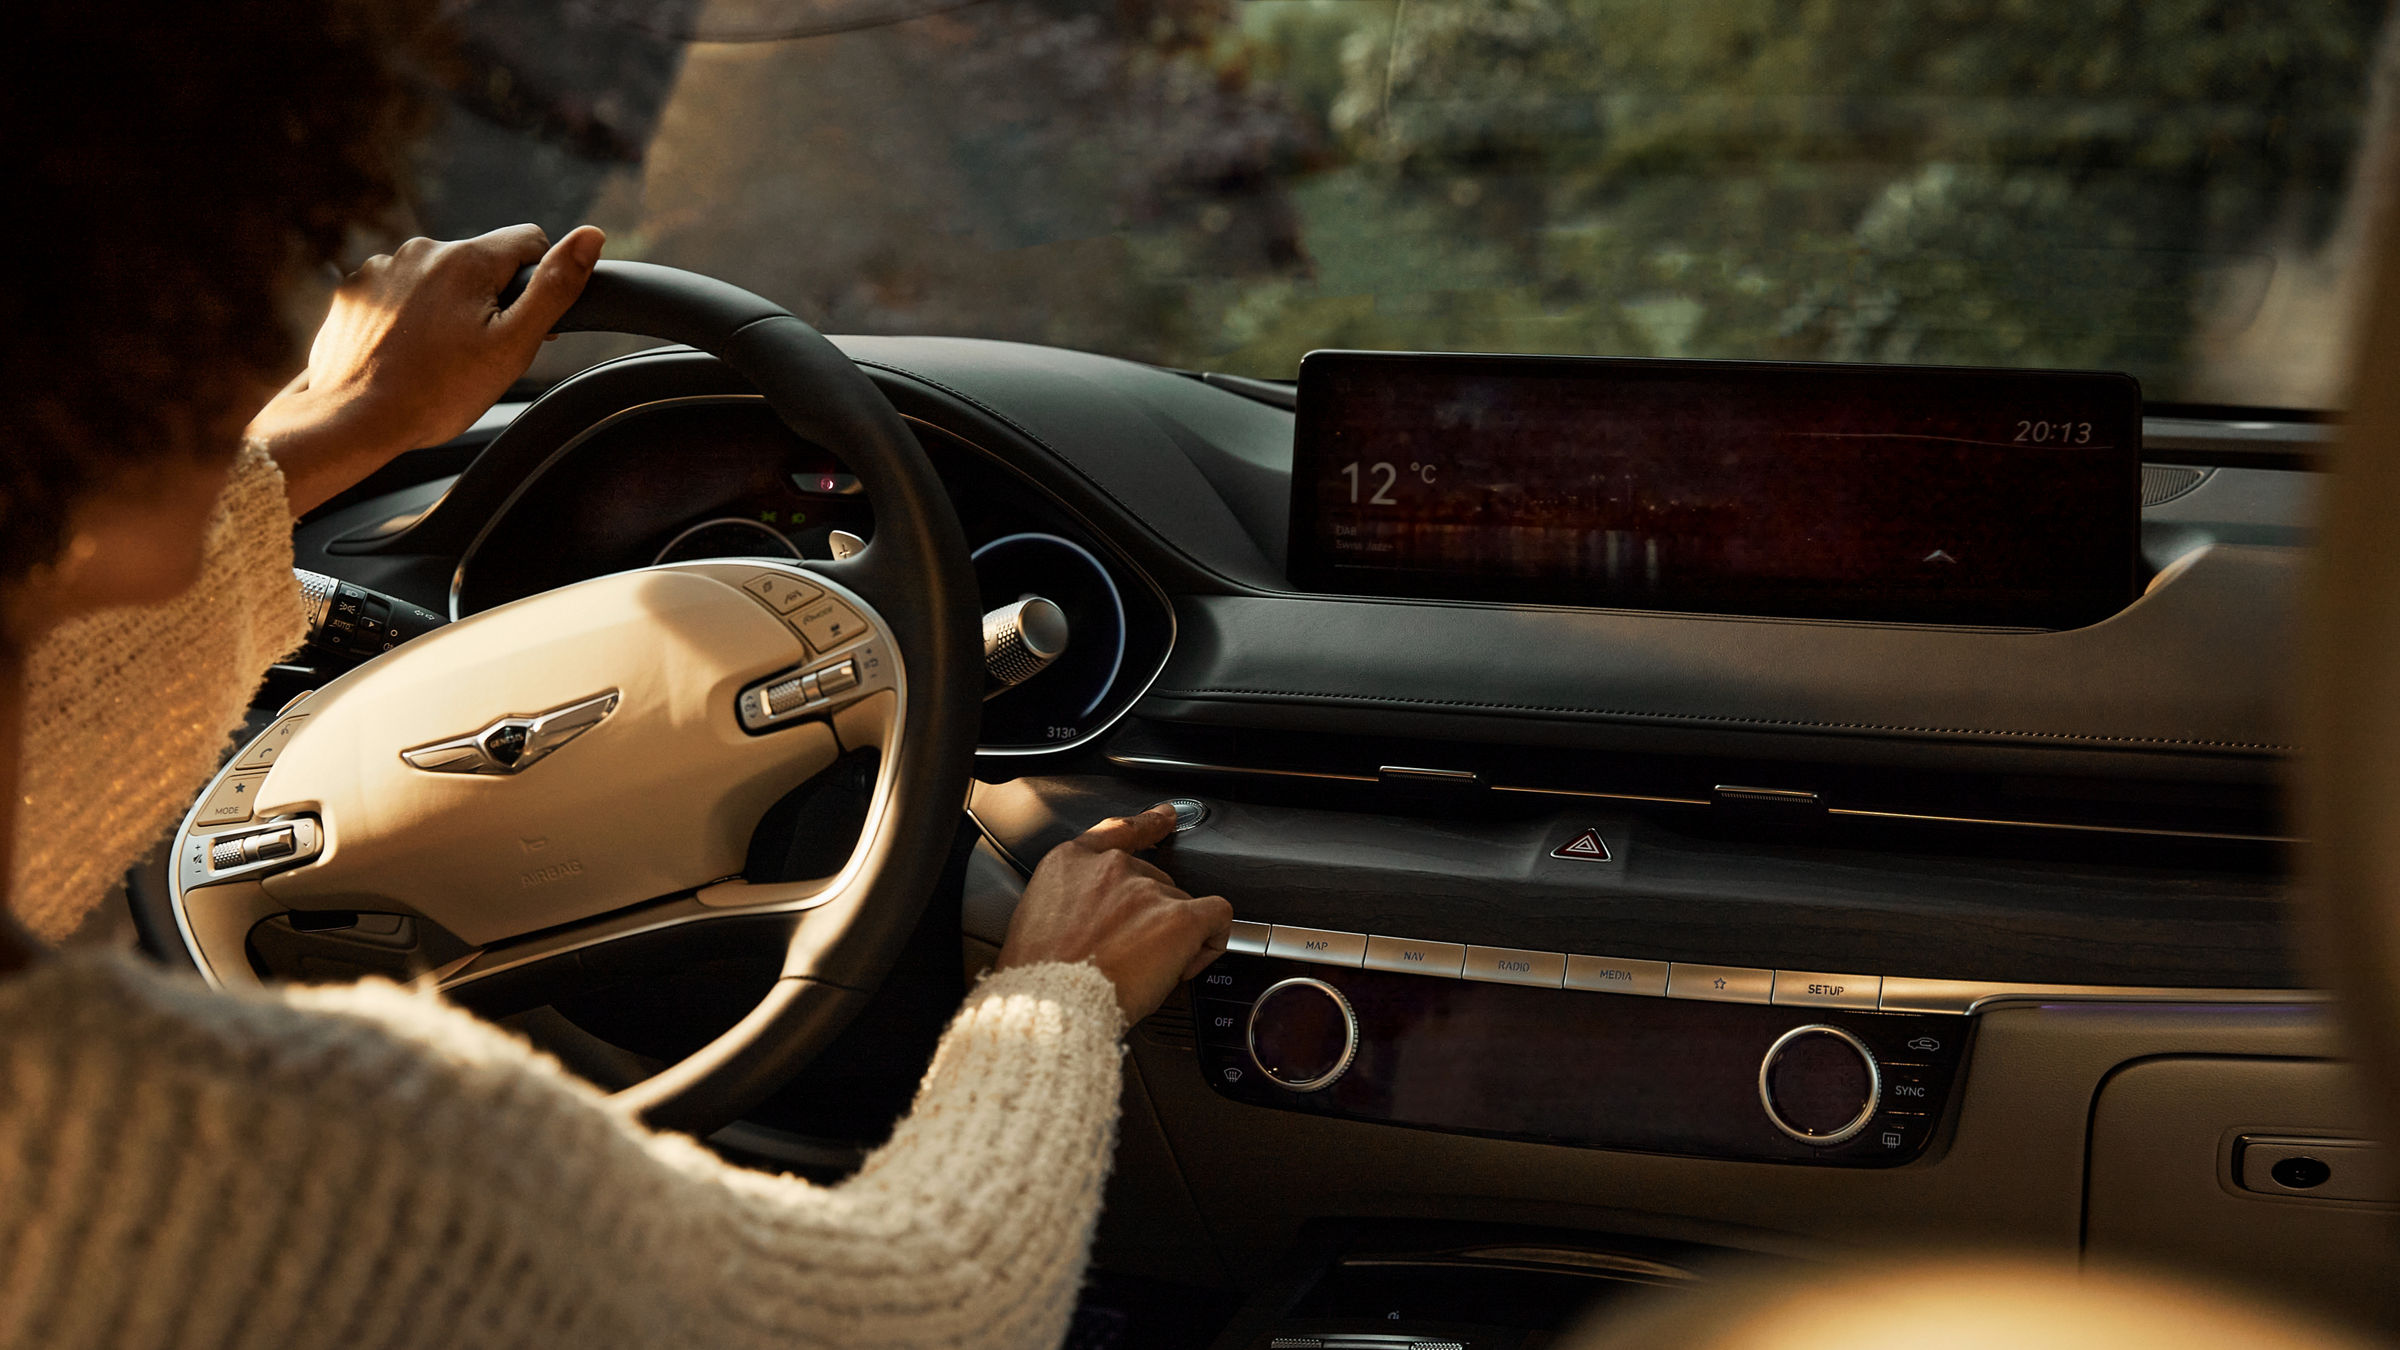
1471 705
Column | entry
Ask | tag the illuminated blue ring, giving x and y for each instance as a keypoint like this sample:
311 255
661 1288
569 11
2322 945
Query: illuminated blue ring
1116 598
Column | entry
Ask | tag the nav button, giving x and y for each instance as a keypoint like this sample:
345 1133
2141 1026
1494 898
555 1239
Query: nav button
1410 957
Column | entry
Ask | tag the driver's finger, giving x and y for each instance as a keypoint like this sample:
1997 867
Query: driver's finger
511 246
1217 913
1132 833
556 282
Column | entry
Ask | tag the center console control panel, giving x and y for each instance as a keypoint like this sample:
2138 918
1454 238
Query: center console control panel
1537 1058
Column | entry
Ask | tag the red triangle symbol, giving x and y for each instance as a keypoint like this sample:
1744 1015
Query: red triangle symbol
1586 846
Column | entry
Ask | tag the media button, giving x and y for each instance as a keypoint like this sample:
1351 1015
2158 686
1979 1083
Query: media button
1814 989
1507 965
1720 984
1410 957
1615 975
1320 945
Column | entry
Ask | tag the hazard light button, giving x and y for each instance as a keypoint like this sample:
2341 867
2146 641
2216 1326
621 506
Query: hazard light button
1585 847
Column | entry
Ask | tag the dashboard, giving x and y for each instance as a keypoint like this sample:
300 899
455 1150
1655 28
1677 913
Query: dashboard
1751 932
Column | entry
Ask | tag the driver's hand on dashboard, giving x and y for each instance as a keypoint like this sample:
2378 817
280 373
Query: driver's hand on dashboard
1092 900
414 349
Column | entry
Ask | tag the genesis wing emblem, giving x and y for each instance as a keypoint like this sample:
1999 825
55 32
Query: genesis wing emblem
509 744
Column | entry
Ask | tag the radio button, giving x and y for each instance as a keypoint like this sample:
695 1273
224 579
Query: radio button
1720 984
1322 946
1814 989
1609 975
1507 965
1408 957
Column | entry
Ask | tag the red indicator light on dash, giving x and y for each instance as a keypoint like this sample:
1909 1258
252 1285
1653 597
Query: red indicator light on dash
827 484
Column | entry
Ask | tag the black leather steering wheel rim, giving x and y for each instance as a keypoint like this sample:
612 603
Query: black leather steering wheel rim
917 560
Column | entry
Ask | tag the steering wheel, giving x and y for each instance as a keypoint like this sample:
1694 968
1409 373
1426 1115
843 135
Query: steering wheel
567 779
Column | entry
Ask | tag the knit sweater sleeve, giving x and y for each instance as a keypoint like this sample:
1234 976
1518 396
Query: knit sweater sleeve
128 711
366 1166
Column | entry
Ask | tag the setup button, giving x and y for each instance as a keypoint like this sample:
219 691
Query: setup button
1815 989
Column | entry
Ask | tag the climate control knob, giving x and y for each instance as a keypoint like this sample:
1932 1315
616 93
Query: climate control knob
1819 1084
1302 1034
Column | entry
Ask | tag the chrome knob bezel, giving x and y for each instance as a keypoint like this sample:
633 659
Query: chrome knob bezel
1848 1132
1349 1034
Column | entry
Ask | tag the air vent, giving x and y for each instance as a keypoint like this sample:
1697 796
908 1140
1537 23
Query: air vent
1320 768
2162 483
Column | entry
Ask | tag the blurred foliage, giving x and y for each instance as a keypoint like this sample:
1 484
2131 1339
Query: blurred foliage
1986 181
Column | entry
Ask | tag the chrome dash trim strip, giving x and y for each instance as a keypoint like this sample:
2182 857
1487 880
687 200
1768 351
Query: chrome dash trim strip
2157 832
1196 766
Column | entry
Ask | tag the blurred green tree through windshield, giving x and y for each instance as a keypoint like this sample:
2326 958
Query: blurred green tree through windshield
2164 187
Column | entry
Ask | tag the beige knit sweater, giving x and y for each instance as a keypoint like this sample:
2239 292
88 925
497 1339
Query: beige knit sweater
366 1166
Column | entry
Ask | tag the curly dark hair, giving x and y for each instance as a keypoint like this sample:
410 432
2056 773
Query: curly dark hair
170 167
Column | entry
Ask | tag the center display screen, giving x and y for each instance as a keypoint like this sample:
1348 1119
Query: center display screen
1899 494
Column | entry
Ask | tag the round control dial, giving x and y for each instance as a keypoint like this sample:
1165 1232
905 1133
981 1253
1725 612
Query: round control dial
1820 1084
1302 1034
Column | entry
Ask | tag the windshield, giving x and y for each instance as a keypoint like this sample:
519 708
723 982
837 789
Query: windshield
2163 188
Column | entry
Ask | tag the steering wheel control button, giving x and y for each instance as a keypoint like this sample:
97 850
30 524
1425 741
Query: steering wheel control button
1820 1085
781 592
1407 957
1720 984
248 853
230 803
1508 965
1248 937
835 679
1302 1034
1320 945
1815 989
827 623
264 751
1616 975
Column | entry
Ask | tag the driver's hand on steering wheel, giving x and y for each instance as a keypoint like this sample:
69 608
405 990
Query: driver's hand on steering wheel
414 349
1092 900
